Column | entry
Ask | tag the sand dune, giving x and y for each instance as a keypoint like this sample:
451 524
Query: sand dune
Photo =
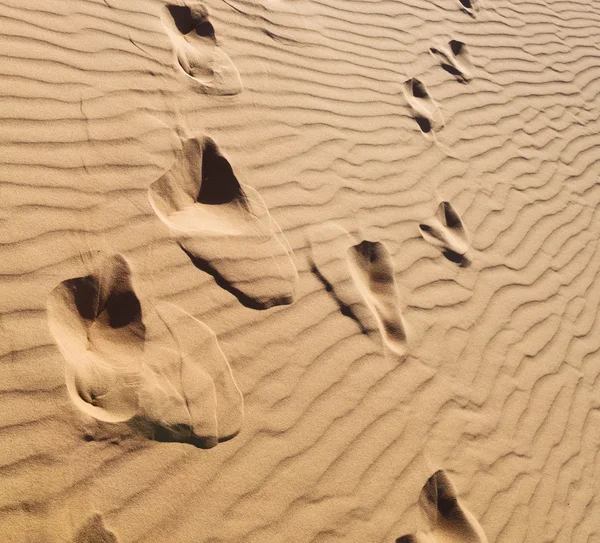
499 383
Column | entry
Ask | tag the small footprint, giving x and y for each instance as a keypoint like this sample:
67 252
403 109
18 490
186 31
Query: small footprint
170 386
426 112
451 522
94 531
195 45
372 269
225 227
447 232
359 277
455 60
470 7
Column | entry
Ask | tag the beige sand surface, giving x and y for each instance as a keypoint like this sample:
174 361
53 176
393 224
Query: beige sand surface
299 270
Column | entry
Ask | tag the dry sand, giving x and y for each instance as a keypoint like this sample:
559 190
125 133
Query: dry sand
296 270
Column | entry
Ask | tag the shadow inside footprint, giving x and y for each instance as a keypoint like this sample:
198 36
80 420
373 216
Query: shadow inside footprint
450 521
455 60
224 227
372 269
94 531
425 111
195 45
447 232
172 386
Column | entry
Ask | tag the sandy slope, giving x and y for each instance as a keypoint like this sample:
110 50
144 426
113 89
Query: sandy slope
499 385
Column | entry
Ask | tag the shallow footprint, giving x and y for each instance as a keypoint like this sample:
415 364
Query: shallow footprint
94 531
447 232
225 227
216 408
197 51
451 522
372 269
455 60
97 323
426 112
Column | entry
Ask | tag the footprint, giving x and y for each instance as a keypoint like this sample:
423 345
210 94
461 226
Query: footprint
447 232
455 60
372 269
173 386
450 521
97 323
214 401
470 7
359 277
197 51
426 112
94 531
225 227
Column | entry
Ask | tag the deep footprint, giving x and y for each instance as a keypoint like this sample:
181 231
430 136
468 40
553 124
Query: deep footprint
175 385
195 45
455 59
97 323
225 227
425 111
450 521
447 232
372 269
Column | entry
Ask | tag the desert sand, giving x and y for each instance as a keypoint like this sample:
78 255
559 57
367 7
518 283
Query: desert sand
299 271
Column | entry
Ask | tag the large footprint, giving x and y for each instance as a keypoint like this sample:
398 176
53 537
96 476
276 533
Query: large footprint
181 389
225 227
197 51
455 59
97 323
451 522
425 111
447 232
360 278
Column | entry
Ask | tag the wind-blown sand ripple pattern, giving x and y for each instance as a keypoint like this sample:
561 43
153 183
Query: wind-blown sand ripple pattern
500 385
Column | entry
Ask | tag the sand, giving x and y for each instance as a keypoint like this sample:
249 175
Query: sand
295 271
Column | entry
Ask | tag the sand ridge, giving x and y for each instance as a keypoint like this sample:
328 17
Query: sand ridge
499 383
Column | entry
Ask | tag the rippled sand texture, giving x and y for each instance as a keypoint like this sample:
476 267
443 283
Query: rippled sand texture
498 384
